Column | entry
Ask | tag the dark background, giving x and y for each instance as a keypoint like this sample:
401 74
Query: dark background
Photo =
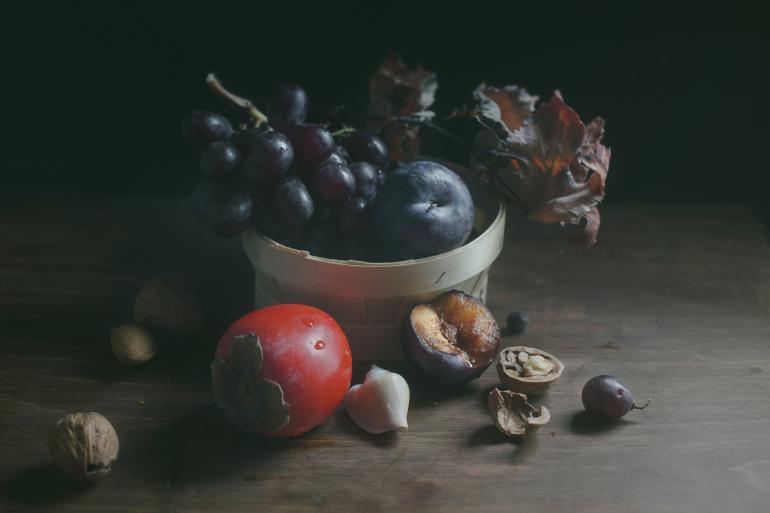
94 92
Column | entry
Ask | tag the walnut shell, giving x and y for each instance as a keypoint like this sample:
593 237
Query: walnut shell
512 374
513 415
84 445
131 344
170 306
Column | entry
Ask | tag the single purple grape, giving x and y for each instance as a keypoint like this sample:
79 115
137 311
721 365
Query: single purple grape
287 106
367 147
380 177
320 239
331 182
245 138
293 202
339 149
337 158
367 180
202 128
221 159
312 144
267 220
351 214
269 160
608 396
223 207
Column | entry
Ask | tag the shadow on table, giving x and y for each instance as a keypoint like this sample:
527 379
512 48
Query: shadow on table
489 435
203 445
382 440
40 484
584 423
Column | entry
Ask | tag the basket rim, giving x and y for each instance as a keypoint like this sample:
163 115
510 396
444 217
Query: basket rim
499 218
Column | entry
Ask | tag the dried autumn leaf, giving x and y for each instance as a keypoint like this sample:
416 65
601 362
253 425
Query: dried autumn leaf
396 91
502 110
547 159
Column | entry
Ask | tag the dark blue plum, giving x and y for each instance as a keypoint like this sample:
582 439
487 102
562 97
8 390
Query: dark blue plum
422 209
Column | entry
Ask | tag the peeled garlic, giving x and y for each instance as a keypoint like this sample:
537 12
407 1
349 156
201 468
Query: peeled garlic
380 403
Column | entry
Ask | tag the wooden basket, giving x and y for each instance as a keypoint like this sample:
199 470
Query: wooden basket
371 300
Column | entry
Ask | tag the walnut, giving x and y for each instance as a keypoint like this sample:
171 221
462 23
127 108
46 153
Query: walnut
528 370
170 306
513 415
84 445
132 344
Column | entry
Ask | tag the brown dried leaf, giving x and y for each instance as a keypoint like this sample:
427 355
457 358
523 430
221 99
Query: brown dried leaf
395 91
502 110
548 159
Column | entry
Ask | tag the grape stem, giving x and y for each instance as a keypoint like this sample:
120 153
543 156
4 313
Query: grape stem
344 131
645 405
217 87
426 122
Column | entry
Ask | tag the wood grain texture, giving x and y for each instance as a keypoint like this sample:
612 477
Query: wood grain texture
674 299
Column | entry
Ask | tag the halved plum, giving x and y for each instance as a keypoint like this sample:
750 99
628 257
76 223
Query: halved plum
452 339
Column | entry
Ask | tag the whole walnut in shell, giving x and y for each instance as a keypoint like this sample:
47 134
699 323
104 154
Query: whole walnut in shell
84 445
169 306
131 344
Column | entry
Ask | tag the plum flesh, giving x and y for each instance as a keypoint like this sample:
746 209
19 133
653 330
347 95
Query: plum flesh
451 340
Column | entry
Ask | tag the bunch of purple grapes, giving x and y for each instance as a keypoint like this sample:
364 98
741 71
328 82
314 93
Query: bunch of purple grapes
291 181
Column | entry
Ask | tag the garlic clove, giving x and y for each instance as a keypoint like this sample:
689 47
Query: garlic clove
380 403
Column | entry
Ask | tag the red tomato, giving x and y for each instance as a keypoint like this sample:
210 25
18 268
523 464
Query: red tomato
306 353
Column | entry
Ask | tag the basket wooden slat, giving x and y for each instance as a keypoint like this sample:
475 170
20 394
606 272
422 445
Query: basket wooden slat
371 300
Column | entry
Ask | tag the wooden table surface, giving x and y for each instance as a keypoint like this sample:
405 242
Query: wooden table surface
674 299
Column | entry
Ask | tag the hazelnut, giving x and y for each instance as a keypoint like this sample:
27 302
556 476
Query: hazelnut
84 445
168 305
132 344
533 373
